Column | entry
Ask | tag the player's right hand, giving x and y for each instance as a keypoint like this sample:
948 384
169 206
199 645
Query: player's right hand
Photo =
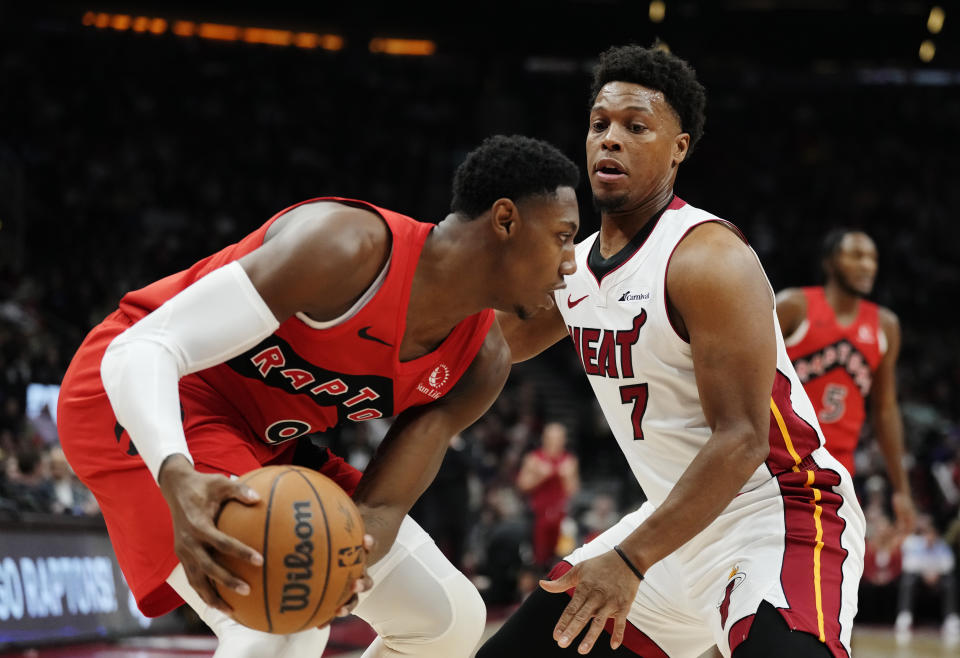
604 588
195 499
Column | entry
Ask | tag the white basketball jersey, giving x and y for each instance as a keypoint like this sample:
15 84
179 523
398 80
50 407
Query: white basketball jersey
642 371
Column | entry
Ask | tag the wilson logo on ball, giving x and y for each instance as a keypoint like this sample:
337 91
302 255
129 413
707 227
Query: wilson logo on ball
299 563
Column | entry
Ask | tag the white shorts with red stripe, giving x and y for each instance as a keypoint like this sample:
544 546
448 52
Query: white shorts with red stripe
795 541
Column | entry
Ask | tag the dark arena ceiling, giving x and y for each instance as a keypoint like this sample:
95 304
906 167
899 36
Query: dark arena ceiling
748 34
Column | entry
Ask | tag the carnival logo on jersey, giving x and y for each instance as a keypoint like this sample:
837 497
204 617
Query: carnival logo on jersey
437 379
734 580
634 296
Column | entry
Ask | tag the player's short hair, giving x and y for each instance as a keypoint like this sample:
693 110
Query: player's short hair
662 71
512 167
832 240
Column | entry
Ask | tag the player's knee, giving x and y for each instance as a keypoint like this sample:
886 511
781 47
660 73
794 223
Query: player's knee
451 628
420 605
469 613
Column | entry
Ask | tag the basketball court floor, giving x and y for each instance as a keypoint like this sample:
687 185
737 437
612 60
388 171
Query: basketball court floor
349 640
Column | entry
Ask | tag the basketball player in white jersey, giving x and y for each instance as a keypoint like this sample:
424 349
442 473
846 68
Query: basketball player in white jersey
752 537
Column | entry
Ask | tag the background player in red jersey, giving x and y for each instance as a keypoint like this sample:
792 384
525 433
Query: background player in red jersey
549 476
844 349
333 311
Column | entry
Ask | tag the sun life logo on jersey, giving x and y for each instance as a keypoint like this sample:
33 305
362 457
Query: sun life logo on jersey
436 381
865 335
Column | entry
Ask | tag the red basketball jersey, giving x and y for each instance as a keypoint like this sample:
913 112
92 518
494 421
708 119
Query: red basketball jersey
550 497
836 365
303 379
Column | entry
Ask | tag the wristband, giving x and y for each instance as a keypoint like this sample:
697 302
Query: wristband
630 564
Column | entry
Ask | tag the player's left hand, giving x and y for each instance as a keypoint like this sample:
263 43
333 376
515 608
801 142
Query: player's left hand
905 513
605 589
361 585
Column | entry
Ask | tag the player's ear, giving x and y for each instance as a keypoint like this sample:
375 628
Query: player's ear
827 266
504 218
681 146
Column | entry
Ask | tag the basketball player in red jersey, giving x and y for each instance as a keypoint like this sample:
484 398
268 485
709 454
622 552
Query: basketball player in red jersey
751 537
549 476
845 349
333 311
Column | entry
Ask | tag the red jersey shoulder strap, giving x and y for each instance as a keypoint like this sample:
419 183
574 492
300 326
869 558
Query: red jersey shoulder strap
868 314
817 306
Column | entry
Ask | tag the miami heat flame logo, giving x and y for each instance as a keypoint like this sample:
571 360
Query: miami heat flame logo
735 579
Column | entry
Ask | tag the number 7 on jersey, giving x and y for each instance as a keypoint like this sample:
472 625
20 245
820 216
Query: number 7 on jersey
637 395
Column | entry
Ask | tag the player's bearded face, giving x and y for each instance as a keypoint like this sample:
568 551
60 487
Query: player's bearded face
609 201
855 264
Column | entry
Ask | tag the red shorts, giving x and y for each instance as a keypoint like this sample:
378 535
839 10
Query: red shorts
104 459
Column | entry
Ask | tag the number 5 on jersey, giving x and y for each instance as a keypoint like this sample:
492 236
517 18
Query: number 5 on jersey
635 394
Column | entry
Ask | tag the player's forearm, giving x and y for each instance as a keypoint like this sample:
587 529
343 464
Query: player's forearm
704 490
140 379
889 430
405 464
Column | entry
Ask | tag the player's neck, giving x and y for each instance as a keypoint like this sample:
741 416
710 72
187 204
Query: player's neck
845 304
618 227
443 293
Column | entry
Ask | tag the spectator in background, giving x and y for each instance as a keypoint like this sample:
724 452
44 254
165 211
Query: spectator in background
28 480
601 514
69 495
952 535
927 559
882 564
12 421
549 476
42 428
498 547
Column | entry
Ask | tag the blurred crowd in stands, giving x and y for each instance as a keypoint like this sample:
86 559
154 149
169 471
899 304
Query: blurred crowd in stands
127 157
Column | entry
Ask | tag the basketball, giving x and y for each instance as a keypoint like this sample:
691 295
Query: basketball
311 537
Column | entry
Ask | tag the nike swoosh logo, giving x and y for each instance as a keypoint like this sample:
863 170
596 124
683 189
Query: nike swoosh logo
363 334
571 304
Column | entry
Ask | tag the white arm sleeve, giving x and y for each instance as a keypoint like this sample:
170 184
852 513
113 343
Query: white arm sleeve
216 318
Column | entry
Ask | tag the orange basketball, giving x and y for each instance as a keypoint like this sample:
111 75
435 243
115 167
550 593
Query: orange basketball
311 537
